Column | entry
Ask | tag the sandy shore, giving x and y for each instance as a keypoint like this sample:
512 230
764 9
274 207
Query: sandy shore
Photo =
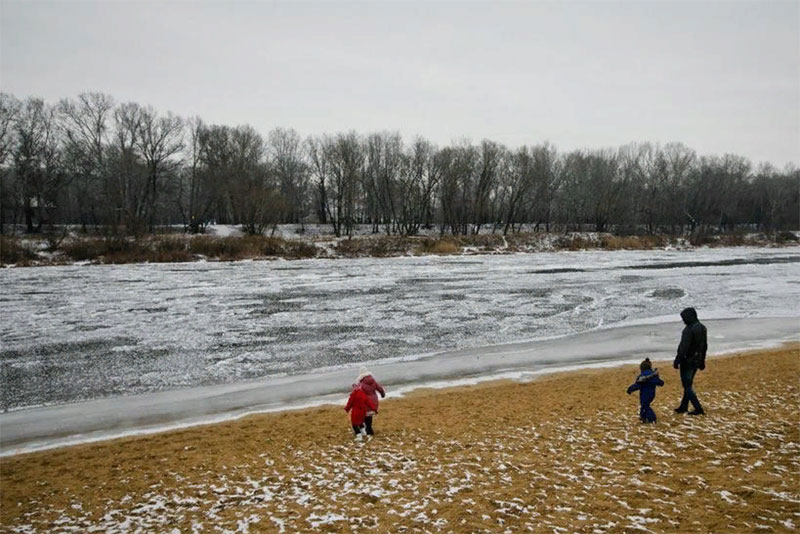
565 453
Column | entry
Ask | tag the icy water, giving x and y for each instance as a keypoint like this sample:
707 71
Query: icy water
87 332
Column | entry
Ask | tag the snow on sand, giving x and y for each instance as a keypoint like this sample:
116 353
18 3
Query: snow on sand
561 454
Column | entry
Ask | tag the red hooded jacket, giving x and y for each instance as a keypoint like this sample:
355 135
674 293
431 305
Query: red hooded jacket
358 404
371 387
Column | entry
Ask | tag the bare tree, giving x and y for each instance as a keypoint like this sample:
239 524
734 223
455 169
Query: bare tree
491 156
384 163
127 167
287 162
457 166
515 186
320 170
36 161
85 124
680 162
548 178
160 141
416 187
198 190
253 195
127 186
711 194
9 110
338 164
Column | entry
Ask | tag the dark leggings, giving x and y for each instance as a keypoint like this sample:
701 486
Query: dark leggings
368 423
357 429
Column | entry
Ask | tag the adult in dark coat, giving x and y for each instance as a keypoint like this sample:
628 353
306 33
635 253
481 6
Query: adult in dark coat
691 357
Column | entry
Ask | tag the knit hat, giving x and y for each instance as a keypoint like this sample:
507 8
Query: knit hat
645 365
362 373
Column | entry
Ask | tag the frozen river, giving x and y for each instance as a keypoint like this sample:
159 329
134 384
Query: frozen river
148 347
87 332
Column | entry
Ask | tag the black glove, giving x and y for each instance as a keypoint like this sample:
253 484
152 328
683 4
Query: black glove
702 366
630 390
675 364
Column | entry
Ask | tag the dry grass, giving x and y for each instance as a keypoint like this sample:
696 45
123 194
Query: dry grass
181 248
441 246
574 242
562 454
738 239
14 251
646 242
483 242
374 246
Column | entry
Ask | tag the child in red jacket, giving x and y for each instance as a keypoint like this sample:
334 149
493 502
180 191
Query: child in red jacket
371 387
358 404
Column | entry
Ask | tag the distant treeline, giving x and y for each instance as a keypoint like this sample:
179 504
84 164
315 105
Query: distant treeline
128 169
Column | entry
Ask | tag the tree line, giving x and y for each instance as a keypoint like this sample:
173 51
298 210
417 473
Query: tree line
129 169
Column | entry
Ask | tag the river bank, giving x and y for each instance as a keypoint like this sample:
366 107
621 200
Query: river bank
225 243
562 452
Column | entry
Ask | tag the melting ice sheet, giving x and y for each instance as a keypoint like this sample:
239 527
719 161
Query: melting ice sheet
228 338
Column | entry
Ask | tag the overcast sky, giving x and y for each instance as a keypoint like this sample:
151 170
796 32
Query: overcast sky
721 77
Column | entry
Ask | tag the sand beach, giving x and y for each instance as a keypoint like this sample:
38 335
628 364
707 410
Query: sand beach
564 453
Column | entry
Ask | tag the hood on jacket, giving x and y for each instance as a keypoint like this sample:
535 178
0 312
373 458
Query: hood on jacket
647 375
369 381
689 315
362 373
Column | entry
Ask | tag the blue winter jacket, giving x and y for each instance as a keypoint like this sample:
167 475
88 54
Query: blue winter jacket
646 385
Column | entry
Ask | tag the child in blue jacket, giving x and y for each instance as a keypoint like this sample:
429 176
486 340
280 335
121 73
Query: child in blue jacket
646 383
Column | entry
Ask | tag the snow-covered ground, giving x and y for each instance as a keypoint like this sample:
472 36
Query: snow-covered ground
90 332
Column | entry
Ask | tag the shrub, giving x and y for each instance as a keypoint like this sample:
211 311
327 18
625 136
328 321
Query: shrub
698 238
632 242
301 249
438 246
170 250
786 237
223 248
81 249
524 241
283 248
483 241
254 246
118 249
380 246
733 240
94 248
573 242
389 246
13 251
271 246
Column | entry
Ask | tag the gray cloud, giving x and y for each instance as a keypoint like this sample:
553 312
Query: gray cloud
718 76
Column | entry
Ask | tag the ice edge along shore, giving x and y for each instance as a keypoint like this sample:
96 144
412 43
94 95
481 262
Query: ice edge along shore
37 429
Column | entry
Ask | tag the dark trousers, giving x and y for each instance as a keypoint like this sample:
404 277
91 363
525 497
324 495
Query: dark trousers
646 413
687 378
368 424
357 429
